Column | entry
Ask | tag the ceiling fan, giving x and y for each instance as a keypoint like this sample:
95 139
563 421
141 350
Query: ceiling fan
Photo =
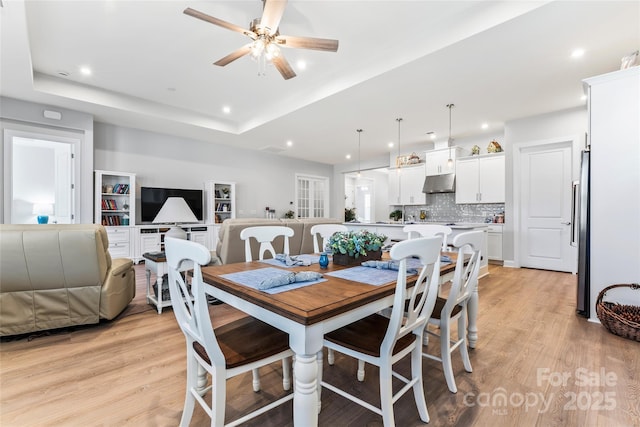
266 38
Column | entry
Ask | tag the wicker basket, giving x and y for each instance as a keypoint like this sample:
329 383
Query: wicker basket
617 318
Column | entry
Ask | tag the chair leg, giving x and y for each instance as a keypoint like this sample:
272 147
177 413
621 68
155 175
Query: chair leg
418 387
331 357
286 373
386 395
256 380
463 347
445 354
193 368
360 370
218 398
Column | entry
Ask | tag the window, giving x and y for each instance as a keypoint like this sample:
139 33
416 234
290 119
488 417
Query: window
312 196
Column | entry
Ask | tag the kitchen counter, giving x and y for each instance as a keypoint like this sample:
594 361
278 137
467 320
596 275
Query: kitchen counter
393 231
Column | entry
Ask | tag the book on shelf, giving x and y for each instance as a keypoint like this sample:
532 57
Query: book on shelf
121 189
109 205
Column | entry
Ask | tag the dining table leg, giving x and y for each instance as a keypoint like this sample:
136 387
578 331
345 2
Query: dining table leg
472 313
305 394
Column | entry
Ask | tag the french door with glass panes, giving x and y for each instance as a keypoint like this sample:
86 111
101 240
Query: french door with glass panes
312 196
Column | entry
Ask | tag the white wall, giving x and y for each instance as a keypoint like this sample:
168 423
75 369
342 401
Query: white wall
522 131
615 185
159 160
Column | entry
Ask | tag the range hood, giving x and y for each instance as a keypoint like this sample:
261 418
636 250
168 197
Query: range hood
445 183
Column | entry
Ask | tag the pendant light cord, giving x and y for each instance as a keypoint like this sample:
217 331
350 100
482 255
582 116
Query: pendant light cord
359 134
449 141
399 119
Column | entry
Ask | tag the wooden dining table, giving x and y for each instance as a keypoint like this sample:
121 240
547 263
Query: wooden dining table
307 313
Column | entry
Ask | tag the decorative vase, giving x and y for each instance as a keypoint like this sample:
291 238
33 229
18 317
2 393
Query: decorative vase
344 259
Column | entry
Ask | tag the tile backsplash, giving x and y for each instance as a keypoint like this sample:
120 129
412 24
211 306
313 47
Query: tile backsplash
443 208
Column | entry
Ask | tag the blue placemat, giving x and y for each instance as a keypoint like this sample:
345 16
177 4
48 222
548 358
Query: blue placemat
312 259
368 275
253 278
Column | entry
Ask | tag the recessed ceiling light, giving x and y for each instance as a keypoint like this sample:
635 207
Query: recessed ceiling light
577 53
226 109
433 136
63 73
302 65
85 71
348 156
390 144
485 126
289 143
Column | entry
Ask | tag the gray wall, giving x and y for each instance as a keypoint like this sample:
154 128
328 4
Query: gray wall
159 160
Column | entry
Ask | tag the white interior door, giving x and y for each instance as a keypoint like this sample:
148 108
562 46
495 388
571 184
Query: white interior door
545 207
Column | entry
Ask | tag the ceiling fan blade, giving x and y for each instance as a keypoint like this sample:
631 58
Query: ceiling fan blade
238 53
308 43
283 66
218 22
272 14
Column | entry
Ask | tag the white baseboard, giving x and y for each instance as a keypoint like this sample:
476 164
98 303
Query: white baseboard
510 264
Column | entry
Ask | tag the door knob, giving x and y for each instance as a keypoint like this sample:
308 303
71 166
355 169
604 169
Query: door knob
566 223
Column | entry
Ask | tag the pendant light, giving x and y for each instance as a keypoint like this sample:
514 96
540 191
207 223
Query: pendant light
359 134
398 164
450 140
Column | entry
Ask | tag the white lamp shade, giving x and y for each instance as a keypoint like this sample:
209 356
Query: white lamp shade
175 210
43 209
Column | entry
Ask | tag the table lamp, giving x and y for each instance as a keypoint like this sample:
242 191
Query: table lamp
43 210
175 210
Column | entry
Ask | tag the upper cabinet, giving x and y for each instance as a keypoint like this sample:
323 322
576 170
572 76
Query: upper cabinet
115 198
480 179
221 201
405 185
436 161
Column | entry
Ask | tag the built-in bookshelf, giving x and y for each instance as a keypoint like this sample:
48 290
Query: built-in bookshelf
115 198
221 201
115 208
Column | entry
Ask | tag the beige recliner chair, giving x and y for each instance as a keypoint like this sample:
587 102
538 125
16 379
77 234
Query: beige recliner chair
59 275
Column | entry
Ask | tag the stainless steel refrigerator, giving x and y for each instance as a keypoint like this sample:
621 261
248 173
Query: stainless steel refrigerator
580 234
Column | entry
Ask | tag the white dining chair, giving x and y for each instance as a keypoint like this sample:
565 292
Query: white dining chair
383 341
325 231
243 345
265 236
427 230
454 307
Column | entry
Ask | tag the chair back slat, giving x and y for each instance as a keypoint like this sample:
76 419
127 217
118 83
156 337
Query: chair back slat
428 230
418 300
465 278
325 231
192 314
265 236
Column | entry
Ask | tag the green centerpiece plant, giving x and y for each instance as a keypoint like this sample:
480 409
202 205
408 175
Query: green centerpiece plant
357 246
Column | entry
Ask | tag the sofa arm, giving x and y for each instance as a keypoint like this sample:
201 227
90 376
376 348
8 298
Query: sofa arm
118 289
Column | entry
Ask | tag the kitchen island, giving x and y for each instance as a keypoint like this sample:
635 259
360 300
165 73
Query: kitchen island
394 232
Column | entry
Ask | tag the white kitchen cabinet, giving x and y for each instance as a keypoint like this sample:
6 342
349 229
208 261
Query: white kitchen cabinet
480 179
405 185
494 243
437 161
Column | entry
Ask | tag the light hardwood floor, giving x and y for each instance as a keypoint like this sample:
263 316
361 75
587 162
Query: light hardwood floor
536 363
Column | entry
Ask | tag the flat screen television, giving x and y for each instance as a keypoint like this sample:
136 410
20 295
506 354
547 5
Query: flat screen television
152 199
